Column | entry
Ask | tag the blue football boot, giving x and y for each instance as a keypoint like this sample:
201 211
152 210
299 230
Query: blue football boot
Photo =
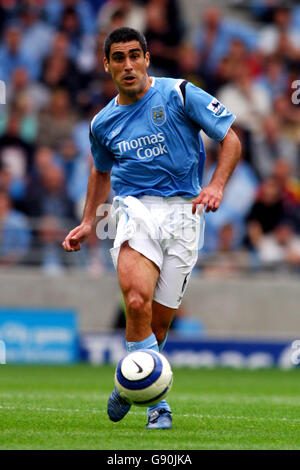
159 419
117 408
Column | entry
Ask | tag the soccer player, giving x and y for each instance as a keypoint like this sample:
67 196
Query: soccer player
146 145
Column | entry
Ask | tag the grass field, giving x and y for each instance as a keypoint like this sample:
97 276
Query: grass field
65 408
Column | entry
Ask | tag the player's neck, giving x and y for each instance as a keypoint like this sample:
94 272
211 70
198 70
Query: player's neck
125 99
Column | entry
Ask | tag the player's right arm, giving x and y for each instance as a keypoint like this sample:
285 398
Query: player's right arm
97 193
98 187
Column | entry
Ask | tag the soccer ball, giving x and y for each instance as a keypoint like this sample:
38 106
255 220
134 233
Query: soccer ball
143 377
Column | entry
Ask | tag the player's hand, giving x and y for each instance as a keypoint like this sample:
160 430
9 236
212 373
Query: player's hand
210 198
73 240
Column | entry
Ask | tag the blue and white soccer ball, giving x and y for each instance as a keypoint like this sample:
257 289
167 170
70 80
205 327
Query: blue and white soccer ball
143 377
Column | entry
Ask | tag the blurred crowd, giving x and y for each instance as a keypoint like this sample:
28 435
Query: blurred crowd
51 56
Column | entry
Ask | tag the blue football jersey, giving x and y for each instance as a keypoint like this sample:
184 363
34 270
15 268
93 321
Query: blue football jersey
153 146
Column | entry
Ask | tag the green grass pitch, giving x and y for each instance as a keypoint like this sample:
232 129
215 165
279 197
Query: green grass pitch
50 407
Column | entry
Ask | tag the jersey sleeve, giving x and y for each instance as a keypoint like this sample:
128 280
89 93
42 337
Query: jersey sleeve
207 112
103 158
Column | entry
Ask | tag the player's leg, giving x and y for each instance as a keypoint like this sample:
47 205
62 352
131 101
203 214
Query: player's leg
159 415
162 317
137 277
169 291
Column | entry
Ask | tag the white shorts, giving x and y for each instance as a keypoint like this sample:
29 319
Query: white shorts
165 231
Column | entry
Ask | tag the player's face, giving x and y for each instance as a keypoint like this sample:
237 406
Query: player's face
128 67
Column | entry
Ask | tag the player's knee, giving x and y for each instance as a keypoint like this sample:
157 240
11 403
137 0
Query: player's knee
137 302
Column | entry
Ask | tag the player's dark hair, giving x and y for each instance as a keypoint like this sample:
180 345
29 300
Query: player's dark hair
124 35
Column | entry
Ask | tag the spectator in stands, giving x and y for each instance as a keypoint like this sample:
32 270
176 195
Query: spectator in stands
49 208
76 169
21 85
295 17
8 13
286 107
268 145
238 198
70 25
263 10
237 54
248 101
50 257
213 39
117 20
266 212
37 35
67 156
188 65
288 183
54 11
280 38
5 180
60 45
280 249
117 13
290 190
55 86
44 159
59 70
274 77
12 55
55 74
22 106
57 121
47 195
15 236
164 33
229 259
16 155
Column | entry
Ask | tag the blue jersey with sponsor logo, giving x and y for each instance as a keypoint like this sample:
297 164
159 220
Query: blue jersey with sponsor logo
153 146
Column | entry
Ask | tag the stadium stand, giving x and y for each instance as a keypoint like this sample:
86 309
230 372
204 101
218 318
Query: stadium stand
51 61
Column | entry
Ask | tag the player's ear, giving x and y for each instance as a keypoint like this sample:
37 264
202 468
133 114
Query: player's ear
106 65
147 59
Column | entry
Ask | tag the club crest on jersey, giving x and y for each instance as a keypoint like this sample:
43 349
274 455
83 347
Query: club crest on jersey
158 115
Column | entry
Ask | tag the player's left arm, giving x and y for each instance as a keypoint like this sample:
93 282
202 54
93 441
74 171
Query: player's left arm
208 114
211 195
